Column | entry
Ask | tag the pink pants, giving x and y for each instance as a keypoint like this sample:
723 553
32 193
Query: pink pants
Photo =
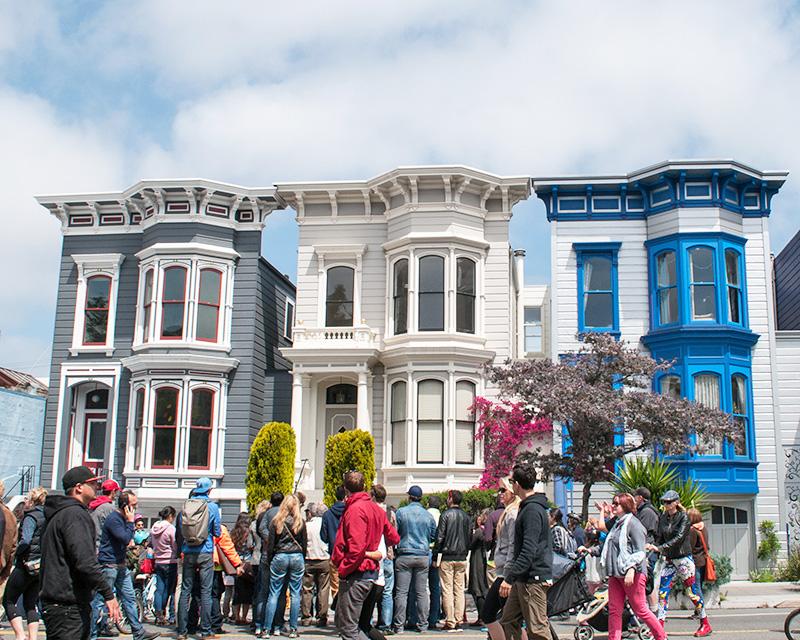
617 592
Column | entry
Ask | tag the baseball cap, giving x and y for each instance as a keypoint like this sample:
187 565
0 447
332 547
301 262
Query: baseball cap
111 485
76 476
202 486
670 496
415 491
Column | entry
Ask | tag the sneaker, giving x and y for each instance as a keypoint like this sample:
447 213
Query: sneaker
454 630
150 636
704 630
293 633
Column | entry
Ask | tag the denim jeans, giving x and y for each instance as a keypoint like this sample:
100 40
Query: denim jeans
283 564
166 582
387 599
408 570
121 581
196 566
261 595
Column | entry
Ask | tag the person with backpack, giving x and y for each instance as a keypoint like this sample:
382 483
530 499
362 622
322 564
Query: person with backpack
24 580
199 523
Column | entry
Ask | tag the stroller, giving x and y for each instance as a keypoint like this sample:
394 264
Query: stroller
593 616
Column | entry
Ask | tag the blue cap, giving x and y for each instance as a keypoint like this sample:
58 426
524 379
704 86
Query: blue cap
203 486
415 491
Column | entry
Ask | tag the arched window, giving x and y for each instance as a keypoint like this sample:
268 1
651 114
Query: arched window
208 302
598 293
667 287
430 421
400 296
431 293
739 412
165 425
173 303
670 386
341 394
734 282
147 305
398 418
465 295
339 297
707 393
95 323
465 422
200 429
702 283
138 428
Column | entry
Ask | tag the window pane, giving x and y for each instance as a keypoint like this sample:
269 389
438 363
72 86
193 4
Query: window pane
741 516
598 310
97 292
431 274
429 442
729 515
597 274
739 395
465 276
174 283
398 401
401 296
740 429
670 386
289 320
95 447
202 406
399 441
172 320
207 317
734 305
95 326
706 390
148 286
431 311
533 315
164 447
465 313
465 396
732 267
210 286
702 261
341 394
668 305
138 419
339 301
533 342
716 515
465 442
166 407
430 395
667 274
97 399
199 447
703 302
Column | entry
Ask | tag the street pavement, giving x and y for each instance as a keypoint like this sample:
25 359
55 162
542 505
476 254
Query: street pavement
739 624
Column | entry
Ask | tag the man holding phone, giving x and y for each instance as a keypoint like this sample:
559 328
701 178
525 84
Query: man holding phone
114 540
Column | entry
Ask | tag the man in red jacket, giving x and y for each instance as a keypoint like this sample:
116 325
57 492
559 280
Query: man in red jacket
355 552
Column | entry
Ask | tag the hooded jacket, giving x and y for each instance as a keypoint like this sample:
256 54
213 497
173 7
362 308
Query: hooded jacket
673 535
360 530
533 544
101 508
330 524
162 536
69 571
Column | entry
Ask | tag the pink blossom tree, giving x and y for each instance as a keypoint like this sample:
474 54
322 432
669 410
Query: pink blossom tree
595 394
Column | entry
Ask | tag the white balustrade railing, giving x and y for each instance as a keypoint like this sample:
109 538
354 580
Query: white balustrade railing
333 337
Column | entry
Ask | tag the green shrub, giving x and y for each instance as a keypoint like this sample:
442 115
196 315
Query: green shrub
790 572
475 500
270 467
348 451
762 575
769 546
724 569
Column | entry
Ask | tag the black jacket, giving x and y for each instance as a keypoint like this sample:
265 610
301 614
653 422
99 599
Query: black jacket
453 535
533 544
649 516
286 541
673 535
70 572
31 550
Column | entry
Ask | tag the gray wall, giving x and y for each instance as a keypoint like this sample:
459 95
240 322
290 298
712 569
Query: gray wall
787 286
21 427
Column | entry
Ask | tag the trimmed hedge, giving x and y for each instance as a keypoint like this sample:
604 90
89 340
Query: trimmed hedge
270 467
348 451
475 500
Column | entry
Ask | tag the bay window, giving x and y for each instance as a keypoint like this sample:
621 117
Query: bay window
208 302
431 293
165 425
430 421
465 423
200 429
739 412
465 295
734 283
670 386
702 284
138 428
95 324
400 296
173 303
398 422
667 287
339 297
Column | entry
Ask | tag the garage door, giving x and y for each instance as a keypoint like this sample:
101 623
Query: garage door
730 535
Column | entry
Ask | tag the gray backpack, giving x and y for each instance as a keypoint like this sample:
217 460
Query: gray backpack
194 522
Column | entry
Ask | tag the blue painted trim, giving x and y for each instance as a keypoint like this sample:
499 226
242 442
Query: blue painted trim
608 250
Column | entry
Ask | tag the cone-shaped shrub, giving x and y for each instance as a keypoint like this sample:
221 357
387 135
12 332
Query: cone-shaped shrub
350 450
270 467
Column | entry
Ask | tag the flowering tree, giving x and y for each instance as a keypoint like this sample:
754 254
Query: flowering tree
595 394
503 427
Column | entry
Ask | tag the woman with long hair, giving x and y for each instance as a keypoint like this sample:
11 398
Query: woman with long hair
503 554
286 551
478 580
165 554
698 537
24 578
675 547
245 542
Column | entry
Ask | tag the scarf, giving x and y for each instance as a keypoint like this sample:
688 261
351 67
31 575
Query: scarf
626 560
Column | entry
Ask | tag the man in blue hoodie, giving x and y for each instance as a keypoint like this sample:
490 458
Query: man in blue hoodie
198 563
330 525
417 530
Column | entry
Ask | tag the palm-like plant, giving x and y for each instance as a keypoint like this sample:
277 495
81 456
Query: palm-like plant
659 477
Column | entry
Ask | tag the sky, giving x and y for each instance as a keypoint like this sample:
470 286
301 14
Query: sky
97 95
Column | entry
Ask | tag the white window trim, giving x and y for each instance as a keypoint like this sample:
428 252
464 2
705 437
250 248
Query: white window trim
525 325
288 329
323 291
194 257
97 264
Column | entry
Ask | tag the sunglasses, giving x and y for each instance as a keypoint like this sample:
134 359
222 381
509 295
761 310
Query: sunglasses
614 503
501 490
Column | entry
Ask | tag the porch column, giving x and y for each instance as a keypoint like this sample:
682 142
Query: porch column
297 410
363 414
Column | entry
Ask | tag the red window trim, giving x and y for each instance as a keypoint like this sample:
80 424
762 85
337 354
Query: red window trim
173 427
182 301
200 303
147 305
86 308
210 428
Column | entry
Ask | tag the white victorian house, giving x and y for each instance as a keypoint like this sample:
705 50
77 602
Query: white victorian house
406 289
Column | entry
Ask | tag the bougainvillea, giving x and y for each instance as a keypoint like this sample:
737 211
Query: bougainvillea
504 428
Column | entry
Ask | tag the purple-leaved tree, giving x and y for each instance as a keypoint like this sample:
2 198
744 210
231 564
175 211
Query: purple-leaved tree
593 394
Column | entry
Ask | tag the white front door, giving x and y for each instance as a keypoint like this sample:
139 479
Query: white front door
730 534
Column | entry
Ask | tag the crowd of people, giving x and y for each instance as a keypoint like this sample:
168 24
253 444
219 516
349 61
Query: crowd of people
76 557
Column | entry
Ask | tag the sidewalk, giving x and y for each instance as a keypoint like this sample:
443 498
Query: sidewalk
743 594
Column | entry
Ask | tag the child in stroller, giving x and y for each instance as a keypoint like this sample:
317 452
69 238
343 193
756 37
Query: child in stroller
593 616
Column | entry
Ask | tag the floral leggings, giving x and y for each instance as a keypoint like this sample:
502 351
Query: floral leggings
684 568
